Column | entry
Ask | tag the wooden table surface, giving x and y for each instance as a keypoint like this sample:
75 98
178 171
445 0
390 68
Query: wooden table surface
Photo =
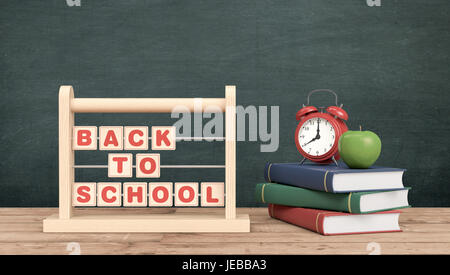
425 231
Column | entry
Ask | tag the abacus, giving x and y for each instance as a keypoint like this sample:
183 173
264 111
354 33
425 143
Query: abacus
195 221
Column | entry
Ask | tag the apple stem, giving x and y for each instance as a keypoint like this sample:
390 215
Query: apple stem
360 128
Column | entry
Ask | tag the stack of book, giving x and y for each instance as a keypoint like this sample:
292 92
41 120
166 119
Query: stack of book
334 199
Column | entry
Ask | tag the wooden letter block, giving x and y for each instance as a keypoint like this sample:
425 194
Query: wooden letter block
213 194
135 194
120 165
109 194
186 194
160 194
111 137
84 194
164 138
84 138
136 137
147 165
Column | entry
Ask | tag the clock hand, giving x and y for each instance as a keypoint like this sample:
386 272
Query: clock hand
317 137
318 130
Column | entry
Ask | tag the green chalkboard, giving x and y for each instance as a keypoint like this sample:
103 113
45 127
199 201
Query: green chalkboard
389 65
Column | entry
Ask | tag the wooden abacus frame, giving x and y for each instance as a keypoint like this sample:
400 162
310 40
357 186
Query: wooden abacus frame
66 221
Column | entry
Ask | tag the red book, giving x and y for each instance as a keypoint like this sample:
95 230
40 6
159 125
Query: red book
336 223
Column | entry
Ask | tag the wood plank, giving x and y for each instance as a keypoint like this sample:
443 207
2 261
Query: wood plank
424 218
222 248
255 211
25 214
14 211
425 231
21 227
277 227
305 236
13 237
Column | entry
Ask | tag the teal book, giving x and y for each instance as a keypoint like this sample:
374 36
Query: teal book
356 202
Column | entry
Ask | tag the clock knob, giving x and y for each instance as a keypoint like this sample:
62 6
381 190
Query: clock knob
304 111
338 112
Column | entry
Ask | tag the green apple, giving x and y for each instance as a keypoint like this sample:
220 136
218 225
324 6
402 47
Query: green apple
359 149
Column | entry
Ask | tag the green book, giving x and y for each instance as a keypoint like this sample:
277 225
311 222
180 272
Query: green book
357 202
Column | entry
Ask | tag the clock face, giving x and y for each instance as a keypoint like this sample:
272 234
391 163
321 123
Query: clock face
316 136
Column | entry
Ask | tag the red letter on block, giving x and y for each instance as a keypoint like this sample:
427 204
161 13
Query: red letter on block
131 138
120 161
181 194
160 194
209 197
135 194
143 163
138 194
109 194
186 194
163 138
164 197
213 194
84 138
147 165
84 194
111 137
120 165
104 194
136 137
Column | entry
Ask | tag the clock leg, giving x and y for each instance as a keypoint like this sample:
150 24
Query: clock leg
303 160
334 160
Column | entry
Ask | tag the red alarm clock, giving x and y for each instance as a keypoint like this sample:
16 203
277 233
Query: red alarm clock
318 132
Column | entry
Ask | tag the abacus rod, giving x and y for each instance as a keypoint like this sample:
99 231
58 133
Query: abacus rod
192 166
90 166
192 138
148 195
198 138
144 105
161 166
